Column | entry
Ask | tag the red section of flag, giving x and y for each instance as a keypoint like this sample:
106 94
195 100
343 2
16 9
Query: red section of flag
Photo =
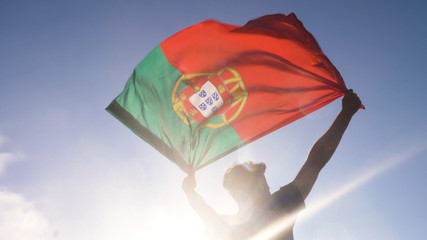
284 71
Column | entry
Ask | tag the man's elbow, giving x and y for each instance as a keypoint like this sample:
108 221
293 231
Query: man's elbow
318 158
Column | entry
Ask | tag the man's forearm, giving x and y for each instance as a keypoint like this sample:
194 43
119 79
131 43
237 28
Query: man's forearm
325 147
205 212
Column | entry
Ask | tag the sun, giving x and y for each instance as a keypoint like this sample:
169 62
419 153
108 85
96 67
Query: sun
166 227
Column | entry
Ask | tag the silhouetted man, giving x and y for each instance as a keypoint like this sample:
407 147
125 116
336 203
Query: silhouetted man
258 208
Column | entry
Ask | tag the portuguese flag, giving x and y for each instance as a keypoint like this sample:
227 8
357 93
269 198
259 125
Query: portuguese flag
214 87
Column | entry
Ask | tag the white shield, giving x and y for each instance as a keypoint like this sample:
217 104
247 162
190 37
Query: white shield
207 100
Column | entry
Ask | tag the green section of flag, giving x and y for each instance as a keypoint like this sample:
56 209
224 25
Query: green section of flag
145 107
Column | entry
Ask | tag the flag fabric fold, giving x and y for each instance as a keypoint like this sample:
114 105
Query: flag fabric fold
214 87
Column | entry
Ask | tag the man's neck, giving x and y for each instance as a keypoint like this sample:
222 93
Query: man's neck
250 205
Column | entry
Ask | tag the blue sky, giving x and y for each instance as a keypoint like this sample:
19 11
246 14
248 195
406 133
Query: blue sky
69 170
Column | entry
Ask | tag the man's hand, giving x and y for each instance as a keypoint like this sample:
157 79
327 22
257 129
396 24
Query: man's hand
351 102
189 182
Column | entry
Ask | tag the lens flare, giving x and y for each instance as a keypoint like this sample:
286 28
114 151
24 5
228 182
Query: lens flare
286 222
185 227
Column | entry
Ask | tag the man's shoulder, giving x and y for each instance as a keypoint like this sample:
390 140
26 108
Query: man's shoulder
288 196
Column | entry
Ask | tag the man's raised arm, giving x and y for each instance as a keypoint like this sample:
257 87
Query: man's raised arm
325 147
205 212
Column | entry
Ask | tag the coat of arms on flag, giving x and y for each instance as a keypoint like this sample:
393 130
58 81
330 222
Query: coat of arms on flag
206 96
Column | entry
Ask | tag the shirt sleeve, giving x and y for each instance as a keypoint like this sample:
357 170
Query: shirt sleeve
289 197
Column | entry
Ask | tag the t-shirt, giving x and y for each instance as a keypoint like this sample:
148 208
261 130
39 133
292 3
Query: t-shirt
283 206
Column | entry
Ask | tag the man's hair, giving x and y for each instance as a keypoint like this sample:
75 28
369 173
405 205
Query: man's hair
242 175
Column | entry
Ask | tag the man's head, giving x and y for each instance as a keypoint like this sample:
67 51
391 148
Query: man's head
246 181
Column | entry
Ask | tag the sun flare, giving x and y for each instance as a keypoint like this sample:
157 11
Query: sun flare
322 203
165 227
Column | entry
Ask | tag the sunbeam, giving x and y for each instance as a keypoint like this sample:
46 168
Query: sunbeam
320 204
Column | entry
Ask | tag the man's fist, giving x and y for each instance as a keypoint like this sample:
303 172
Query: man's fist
351 102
